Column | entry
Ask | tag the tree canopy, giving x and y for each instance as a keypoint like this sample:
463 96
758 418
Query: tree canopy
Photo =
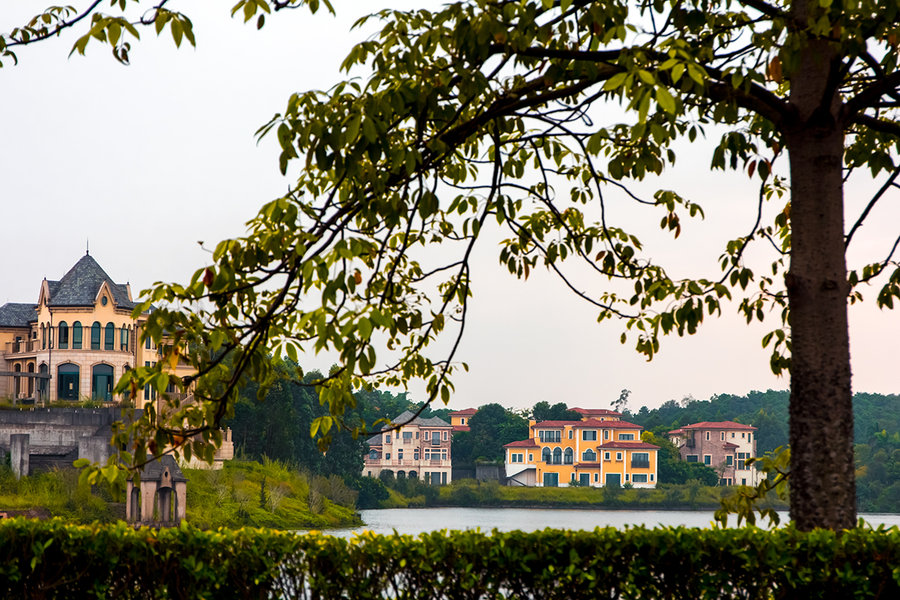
533 117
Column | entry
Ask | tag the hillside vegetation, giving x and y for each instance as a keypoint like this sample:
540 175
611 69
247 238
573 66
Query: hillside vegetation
876 427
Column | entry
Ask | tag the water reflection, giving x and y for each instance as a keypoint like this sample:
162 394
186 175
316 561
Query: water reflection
418 520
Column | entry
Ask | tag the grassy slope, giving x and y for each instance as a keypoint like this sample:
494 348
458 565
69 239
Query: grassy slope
227 498
233 497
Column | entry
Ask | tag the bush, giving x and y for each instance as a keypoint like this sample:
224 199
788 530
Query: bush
51 559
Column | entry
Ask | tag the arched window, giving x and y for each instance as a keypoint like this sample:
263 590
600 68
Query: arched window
31 381
569 457
68 381
63 335
43 337
545 455
109 337
589 456
102 382
123 341
76 335
95 336
557 456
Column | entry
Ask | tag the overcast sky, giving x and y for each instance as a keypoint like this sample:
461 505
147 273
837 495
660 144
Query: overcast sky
144 161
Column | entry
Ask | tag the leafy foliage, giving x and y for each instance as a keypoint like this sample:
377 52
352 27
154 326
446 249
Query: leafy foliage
51 559
543 411
489 429
483 113
672 469
277 426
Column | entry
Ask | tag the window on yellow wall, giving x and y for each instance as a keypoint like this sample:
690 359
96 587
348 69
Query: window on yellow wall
95 336
76 335
569 457
640 460
626 436
589 436
109 337
63 335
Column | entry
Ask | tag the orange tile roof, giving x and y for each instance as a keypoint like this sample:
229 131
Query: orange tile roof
529 443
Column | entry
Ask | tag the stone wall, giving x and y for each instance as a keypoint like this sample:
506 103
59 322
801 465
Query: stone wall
58 436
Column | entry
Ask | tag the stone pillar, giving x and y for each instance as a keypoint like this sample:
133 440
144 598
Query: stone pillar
180 501
19 447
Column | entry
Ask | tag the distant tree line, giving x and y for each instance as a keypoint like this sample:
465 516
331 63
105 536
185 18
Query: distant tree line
876 428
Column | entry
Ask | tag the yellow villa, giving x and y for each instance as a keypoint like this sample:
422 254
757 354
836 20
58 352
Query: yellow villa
75 342
597 451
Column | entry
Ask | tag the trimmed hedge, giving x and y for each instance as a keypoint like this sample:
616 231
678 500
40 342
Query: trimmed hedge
51 559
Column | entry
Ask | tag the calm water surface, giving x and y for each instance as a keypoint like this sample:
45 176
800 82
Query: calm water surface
419 520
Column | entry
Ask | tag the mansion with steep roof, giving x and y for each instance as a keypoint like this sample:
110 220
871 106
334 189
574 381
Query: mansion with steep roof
75 342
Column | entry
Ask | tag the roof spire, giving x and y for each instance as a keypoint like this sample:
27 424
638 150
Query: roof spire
87 249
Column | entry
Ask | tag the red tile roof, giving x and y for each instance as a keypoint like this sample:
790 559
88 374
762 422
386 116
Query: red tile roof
630 445
464 412
460 428
596 411
589 424
529 443
715 425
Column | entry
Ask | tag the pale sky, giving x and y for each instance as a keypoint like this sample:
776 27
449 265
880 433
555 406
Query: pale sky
146 160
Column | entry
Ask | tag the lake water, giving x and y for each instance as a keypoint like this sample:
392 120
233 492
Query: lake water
418 520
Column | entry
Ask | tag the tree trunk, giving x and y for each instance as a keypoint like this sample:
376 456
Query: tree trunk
822 482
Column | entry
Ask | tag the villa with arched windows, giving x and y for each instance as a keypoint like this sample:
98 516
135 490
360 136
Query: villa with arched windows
599 450
75 343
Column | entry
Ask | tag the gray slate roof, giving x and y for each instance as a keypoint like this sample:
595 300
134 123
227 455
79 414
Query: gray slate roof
407 416
80 285
16 314
153 470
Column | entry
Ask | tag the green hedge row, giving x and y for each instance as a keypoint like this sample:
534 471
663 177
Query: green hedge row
51 559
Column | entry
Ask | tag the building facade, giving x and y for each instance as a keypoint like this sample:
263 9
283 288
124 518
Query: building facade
460 419
75 342
419 449
592 452
723 446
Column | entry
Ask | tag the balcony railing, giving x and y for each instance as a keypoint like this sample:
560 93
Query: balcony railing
407 462
23 346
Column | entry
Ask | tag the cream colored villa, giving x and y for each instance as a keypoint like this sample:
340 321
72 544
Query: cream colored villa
75 343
